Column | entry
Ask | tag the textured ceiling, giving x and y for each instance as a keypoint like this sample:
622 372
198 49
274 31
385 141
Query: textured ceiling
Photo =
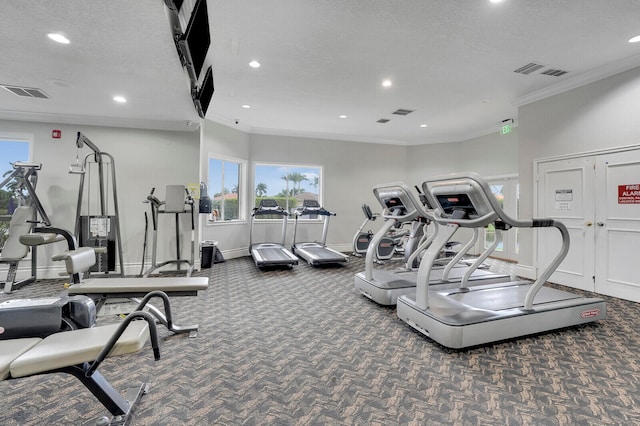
451 61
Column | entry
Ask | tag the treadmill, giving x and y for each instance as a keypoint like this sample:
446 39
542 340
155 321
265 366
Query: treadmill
385 286
316 253
471 316
270 254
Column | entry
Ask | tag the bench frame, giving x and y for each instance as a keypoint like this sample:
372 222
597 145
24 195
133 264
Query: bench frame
121 407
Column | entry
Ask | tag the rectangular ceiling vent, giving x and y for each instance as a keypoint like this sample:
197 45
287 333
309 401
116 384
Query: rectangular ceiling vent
529 68
26 92
403 111
383 120
553 72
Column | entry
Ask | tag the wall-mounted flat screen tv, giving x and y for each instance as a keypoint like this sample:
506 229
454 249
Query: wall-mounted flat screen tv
203 97
196 40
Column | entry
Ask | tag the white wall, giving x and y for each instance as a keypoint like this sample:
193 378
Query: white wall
216 139
490 155
143 159
601 115
351 169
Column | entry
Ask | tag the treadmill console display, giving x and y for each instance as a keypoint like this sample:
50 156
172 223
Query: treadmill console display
268 203
312 204
394 203
459 202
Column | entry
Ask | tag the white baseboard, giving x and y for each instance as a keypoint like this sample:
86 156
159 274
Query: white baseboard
526 271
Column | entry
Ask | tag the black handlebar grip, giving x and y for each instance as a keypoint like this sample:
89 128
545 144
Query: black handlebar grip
542 223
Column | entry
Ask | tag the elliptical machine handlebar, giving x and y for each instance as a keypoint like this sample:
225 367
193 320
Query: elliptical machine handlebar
368 213
153 199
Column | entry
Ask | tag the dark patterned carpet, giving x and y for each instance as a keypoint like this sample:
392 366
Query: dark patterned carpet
302 347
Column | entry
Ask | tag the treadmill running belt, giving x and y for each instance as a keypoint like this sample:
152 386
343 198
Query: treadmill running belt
273 254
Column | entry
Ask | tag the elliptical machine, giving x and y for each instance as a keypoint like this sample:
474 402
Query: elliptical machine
390 245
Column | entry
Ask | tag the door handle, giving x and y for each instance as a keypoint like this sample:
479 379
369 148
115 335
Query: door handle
589 223
601 224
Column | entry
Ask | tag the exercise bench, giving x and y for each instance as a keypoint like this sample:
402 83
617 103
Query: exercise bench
103 289
79 353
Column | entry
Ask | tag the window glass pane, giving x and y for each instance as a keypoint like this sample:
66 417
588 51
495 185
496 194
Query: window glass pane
517 249
10 152
490 232
288 185
231 190
10 195
224 189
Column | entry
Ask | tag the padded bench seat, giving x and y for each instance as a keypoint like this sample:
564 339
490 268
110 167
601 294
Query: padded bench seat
70 348
79 353
141 286
39 239
12 349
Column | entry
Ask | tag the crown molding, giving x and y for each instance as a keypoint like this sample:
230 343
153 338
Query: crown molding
579 80
88 120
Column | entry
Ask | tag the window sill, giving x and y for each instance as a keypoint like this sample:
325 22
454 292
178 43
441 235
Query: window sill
225 222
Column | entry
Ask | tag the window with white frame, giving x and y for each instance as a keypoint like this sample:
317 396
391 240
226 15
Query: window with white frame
288 184
226 188
12 149
506 191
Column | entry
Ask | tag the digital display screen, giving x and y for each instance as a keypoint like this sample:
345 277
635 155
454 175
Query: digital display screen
393 202
206 93
197 36
452 202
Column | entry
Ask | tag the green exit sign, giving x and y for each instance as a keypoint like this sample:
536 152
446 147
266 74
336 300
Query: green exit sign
506 129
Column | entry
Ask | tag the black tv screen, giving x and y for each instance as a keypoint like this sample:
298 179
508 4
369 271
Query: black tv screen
196 39
204 95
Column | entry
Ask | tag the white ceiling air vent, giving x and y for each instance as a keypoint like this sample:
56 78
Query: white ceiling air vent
554 72
403 111
529 68
26 92
383 120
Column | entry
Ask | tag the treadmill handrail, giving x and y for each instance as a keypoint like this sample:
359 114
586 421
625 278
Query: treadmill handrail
481 184
261 210
308 211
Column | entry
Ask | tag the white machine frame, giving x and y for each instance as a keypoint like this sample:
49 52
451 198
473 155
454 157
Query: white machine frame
471 316
385 286
316 253
267 253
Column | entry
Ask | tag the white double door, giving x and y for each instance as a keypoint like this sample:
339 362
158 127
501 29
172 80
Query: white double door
598 198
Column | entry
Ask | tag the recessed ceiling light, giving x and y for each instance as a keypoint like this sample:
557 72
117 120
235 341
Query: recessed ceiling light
245 106
495 1
58 38
120 99
254 64
635 39
423 125
59 83
343 116
386 83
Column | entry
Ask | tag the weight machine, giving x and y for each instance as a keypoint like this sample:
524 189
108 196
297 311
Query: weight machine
23 219
97 224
